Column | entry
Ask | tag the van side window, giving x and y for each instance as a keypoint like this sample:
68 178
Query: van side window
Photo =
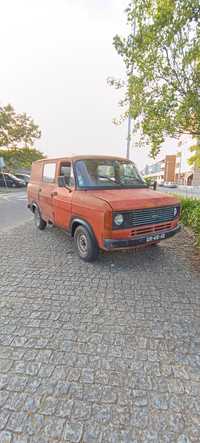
49 172
67 172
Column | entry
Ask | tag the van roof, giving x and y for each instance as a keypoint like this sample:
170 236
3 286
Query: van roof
82 157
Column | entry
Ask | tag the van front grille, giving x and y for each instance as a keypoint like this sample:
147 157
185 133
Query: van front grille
149 216
151 229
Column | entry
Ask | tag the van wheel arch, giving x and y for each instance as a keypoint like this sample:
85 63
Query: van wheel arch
80 222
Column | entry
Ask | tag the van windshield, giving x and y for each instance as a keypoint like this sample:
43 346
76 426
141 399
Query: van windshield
105 173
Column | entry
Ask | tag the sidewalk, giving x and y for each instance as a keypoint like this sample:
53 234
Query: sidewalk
98 353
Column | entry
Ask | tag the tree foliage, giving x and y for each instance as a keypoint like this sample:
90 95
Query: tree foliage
195 158
163 66
20 158
190 215
17 129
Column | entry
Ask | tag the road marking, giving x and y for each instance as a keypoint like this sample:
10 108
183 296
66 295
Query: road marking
21 197
13 197
3 196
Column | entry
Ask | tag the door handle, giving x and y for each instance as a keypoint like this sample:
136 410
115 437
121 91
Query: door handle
53 194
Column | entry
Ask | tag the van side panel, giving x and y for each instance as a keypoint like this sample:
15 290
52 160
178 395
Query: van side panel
35 182
36 172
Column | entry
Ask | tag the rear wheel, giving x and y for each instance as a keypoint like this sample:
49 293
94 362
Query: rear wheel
39 222
85 244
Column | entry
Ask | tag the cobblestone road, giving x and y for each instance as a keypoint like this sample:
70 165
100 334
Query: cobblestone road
106 352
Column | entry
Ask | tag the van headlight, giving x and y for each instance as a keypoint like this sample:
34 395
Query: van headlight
176 210
118 219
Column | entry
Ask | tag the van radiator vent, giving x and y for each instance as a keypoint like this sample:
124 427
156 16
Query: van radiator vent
149 216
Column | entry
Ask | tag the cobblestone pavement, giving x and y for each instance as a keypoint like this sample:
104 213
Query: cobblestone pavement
106 352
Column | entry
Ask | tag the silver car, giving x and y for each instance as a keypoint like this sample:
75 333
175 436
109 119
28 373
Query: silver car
170 185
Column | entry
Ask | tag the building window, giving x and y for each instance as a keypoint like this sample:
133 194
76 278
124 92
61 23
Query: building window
49 172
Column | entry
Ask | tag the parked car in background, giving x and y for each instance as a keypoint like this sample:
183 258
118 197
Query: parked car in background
10 181
102 202
170 185
24 177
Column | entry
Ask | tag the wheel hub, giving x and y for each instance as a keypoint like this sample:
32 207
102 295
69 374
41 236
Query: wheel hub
82 243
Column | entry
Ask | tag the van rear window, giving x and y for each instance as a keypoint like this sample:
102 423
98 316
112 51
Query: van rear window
49 172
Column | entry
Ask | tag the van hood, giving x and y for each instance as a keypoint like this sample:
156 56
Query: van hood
127 199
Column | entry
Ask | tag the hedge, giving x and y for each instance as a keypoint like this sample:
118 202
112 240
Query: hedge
190 215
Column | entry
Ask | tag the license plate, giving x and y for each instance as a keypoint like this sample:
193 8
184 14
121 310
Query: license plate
155 237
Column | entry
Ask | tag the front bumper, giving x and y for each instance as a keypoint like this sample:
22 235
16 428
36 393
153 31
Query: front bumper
139 240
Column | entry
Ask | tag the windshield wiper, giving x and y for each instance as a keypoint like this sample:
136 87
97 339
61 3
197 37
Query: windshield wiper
132 178
138 180
110 179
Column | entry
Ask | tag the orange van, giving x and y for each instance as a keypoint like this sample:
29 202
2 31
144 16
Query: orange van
102 202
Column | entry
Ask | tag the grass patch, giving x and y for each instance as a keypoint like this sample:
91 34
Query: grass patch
190 215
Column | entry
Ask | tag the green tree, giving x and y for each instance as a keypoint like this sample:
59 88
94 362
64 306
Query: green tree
17 129
20 158
163 69
195 158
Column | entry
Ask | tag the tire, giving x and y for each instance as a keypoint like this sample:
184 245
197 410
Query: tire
85 244
39 222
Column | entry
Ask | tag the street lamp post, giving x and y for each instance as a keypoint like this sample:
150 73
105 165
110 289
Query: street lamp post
128 137
180 169
129 115
179 155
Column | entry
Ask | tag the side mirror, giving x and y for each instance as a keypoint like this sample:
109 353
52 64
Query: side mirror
62 183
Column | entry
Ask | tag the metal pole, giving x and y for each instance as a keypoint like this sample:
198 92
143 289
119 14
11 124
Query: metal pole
5 182
180 162
128 137
129 116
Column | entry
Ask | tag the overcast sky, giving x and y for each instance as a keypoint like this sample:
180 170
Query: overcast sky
55 57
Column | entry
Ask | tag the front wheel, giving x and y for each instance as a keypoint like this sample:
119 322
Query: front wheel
85 244
39 222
